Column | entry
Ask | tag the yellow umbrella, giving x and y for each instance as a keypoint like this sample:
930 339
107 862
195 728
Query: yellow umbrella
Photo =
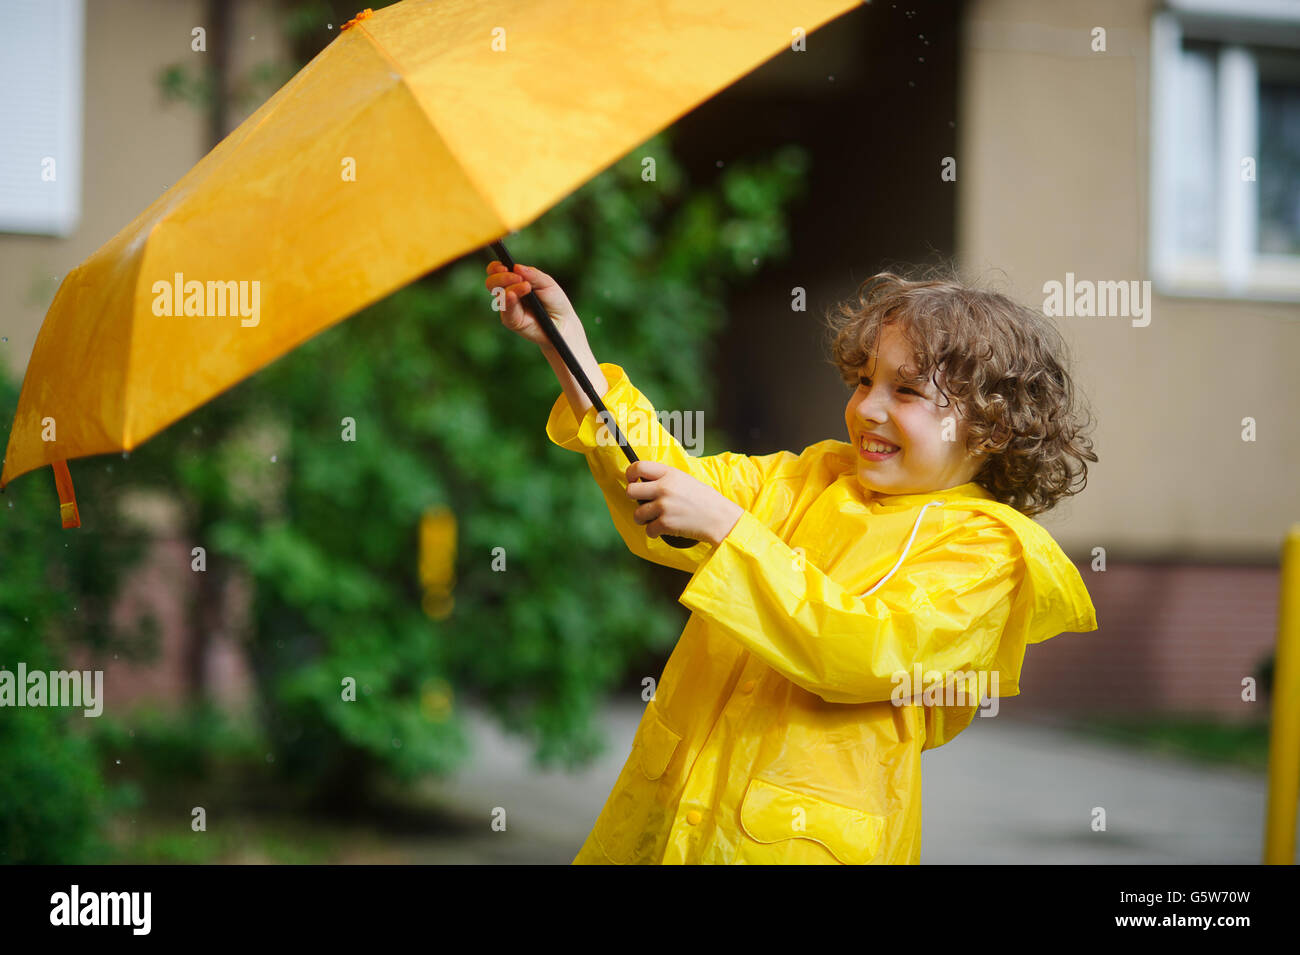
423 131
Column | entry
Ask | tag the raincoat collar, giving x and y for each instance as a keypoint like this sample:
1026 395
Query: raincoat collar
970 489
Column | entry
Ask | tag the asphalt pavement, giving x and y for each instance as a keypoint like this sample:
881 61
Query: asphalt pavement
1005 791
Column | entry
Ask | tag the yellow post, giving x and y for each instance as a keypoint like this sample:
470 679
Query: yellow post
1284 729
438 561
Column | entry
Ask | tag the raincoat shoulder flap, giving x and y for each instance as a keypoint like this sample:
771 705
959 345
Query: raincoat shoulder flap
1051 600
771 813
1060 599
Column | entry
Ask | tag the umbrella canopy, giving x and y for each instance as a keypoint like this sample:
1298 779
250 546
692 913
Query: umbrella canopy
425 130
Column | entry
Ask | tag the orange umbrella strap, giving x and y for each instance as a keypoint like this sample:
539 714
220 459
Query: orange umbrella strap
67 497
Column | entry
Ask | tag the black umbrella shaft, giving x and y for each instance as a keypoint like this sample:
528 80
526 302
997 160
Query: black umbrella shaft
534 305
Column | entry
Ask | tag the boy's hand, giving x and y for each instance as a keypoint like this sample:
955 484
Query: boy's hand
673 502
514 316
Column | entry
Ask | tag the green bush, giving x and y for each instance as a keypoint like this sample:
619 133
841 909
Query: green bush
52 798
55 588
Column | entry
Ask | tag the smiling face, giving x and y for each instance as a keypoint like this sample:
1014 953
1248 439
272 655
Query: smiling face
908 416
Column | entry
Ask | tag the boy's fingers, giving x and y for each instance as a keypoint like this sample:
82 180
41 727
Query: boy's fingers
537 276
503 278
646 468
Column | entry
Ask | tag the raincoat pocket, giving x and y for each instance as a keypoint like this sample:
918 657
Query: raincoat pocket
774 814
657 747
637 816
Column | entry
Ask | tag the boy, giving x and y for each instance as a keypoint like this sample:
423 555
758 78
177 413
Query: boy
789 722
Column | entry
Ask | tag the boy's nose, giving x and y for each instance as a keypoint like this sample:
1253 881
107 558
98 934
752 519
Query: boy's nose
870 410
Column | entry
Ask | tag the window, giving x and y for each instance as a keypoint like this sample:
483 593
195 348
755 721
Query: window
40 116
1225 149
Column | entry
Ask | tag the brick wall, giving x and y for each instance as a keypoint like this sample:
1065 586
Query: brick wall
164 586
1170 637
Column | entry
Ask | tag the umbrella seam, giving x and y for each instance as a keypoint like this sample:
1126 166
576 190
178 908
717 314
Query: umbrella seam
465 170
294 81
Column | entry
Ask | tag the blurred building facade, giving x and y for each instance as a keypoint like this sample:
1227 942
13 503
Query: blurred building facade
1155 143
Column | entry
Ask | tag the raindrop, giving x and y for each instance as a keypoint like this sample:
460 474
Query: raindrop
397 744
273 457
920 59
118 761
910 83
831 78
329 26
125 455
719 163
597 319
11 503
756 261
270 757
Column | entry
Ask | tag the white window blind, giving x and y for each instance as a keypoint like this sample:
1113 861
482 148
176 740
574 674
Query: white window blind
1225 149
40 115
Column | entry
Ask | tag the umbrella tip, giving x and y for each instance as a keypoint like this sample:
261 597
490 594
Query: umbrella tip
360 16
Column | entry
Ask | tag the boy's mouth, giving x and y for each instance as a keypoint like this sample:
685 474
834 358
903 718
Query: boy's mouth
872 449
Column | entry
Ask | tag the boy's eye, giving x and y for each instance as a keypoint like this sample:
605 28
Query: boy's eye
865 382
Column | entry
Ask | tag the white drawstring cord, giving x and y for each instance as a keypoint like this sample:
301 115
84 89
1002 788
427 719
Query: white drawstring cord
906 547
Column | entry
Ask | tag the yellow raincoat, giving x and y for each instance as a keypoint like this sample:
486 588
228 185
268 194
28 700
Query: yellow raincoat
772 737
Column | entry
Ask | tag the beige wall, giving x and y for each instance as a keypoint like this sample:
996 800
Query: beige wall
133 144
1052 178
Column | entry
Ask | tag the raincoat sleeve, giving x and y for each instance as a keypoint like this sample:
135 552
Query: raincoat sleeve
944 609
738 477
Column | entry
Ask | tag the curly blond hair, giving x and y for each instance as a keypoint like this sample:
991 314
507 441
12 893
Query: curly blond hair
1003 363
